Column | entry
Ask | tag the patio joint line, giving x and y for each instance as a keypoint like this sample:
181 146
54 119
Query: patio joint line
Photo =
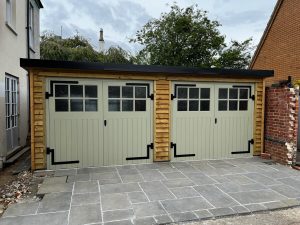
71 203
99 188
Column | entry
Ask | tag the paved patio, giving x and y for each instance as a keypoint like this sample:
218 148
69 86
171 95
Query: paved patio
159 193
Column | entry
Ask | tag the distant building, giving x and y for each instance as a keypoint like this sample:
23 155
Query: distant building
19 38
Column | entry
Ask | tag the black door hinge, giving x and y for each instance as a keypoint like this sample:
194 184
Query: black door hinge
51 152
48 95
250 142
174 146
105 123
253 97
150 146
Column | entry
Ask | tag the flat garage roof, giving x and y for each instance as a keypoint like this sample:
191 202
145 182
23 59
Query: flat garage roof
151 69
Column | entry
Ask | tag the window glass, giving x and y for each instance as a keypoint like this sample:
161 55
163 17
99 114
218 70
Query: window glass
233 105
205 93
140 105
91 91
76 105
127 92
222 105
182 105
182 92
233 93
114 105
91 105
61 105
223 93
9 12
204 105
76 91
114 92
193 105
140 92
61 91
243 105
194 93
127 105
243 93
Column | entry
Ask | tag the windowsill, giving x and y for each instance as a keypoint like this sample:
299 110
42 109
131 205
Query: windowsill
11 28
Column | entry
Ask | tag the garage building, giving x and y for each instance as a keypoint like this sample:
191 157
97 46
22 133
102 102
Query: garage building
91 114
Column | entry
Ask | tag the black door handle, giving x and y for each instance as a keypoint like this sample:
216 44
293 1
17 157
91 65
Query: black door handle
105 122
216 120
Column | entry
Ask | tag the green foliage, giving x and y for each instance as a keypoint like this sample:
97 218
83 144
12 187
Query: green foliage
187 37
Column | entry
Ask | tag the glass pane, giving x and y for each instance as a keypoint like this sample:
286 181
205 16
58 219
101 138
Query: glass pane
113 105
91 105
193 105
223 93
233 93
243 93
182 106
182 92
233 105
194 93
243 105
61 91
140 92
140 105
76 105
91 91
127 105
127 92
222 105
76 91
205 92
61 105
204 106
114 92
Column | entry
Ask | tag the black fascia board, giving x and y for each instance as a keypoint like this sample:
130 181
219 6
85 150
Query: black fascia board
151 69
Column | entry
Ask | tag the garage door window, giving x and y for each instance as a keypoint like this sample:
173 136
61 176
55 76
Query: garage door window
233 99
127 98
193 99
76 98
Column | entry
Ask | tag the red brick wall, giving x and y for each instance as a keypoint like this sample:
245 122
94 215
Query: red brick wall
280 122
281 50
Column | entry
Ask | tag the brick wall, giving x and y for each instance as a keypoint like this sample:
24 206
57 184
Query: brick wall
281 49
281 124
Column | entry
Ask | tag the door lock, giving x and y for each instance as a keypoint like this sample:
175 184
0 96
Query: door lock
105 123
216 120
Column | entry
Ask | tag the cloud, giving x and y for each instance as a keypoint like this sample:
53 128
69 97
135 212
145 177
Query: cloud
243 18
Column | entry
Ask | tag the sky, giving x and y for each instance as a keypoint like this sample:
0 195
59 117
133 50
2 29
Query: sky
120 19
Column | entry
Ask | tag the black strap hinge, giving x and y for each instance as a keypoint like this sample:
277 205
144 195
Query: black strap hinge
250 142
150 146
173 145
253 97
51 152
48 95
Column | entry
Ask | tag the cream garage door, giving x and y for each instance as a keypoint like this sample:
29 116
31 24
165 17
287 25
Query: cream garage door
97 123
211 121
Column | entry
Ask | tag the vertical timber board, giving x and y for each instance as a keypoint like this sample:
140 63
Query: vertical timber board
37 105
258 118
162 111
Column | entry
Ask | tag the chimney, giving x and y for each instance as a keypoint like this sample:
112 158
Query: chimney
101 42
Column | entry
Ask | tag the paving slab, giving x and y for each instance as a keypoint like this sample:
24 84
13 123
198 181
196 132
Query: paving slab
200 179
240 209
50 188
85 214
86 187
240 179
145 221
185 204
78 177
231 187
115 201
118 215
54 202
86 198
21 209
163 219
186 216
155 190
185 192
218 212
106 178
291 182
148 209
119 188
65 172
96 170
256 207
275 205
286 191
203 214
174 175
129 178
261 179
152 175
137 197
123 222
55 180
178 183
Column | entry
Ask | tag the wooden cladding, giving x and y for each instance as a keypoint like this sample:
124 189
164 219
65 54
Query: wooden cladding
162 120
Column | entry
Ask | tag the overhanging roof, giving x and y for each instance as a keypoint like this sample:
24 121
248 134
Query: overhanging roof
146 69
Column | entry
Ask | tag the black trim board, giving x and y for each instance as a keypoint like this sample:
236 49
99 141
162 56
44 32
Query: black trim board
146 69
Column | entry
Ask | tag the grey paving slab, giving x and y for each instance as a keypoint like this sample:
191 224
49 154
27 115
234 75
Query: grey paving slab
145 221
275 205
55 180
115 201
65 172
55 202
239 179
256 207
178 183
184 192
148 209
200 179
215 196
60 187
21 209
96 170
203 214
86 187
59 218
222 165
218 212
174 175
163 219
79 177
151 166
137 197
85 214
291 182
119 188
291 202
250 197
131 171
123 222
128 178
118 215
155 190
106 178
220 179
86 198
262 179
186 216
152 175
234 187
286 191
240 209
166 167
185 204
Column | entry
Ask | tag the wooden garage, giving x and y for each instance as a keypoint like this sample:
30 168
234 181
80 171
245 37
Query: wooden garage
90 114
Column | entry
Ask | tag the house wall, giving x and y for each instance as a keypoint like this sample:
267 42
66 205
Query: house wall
281 49
13 45
162 109
281 122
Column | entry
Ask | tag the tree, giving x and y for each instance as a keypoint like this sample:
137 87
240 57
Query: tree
187 37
